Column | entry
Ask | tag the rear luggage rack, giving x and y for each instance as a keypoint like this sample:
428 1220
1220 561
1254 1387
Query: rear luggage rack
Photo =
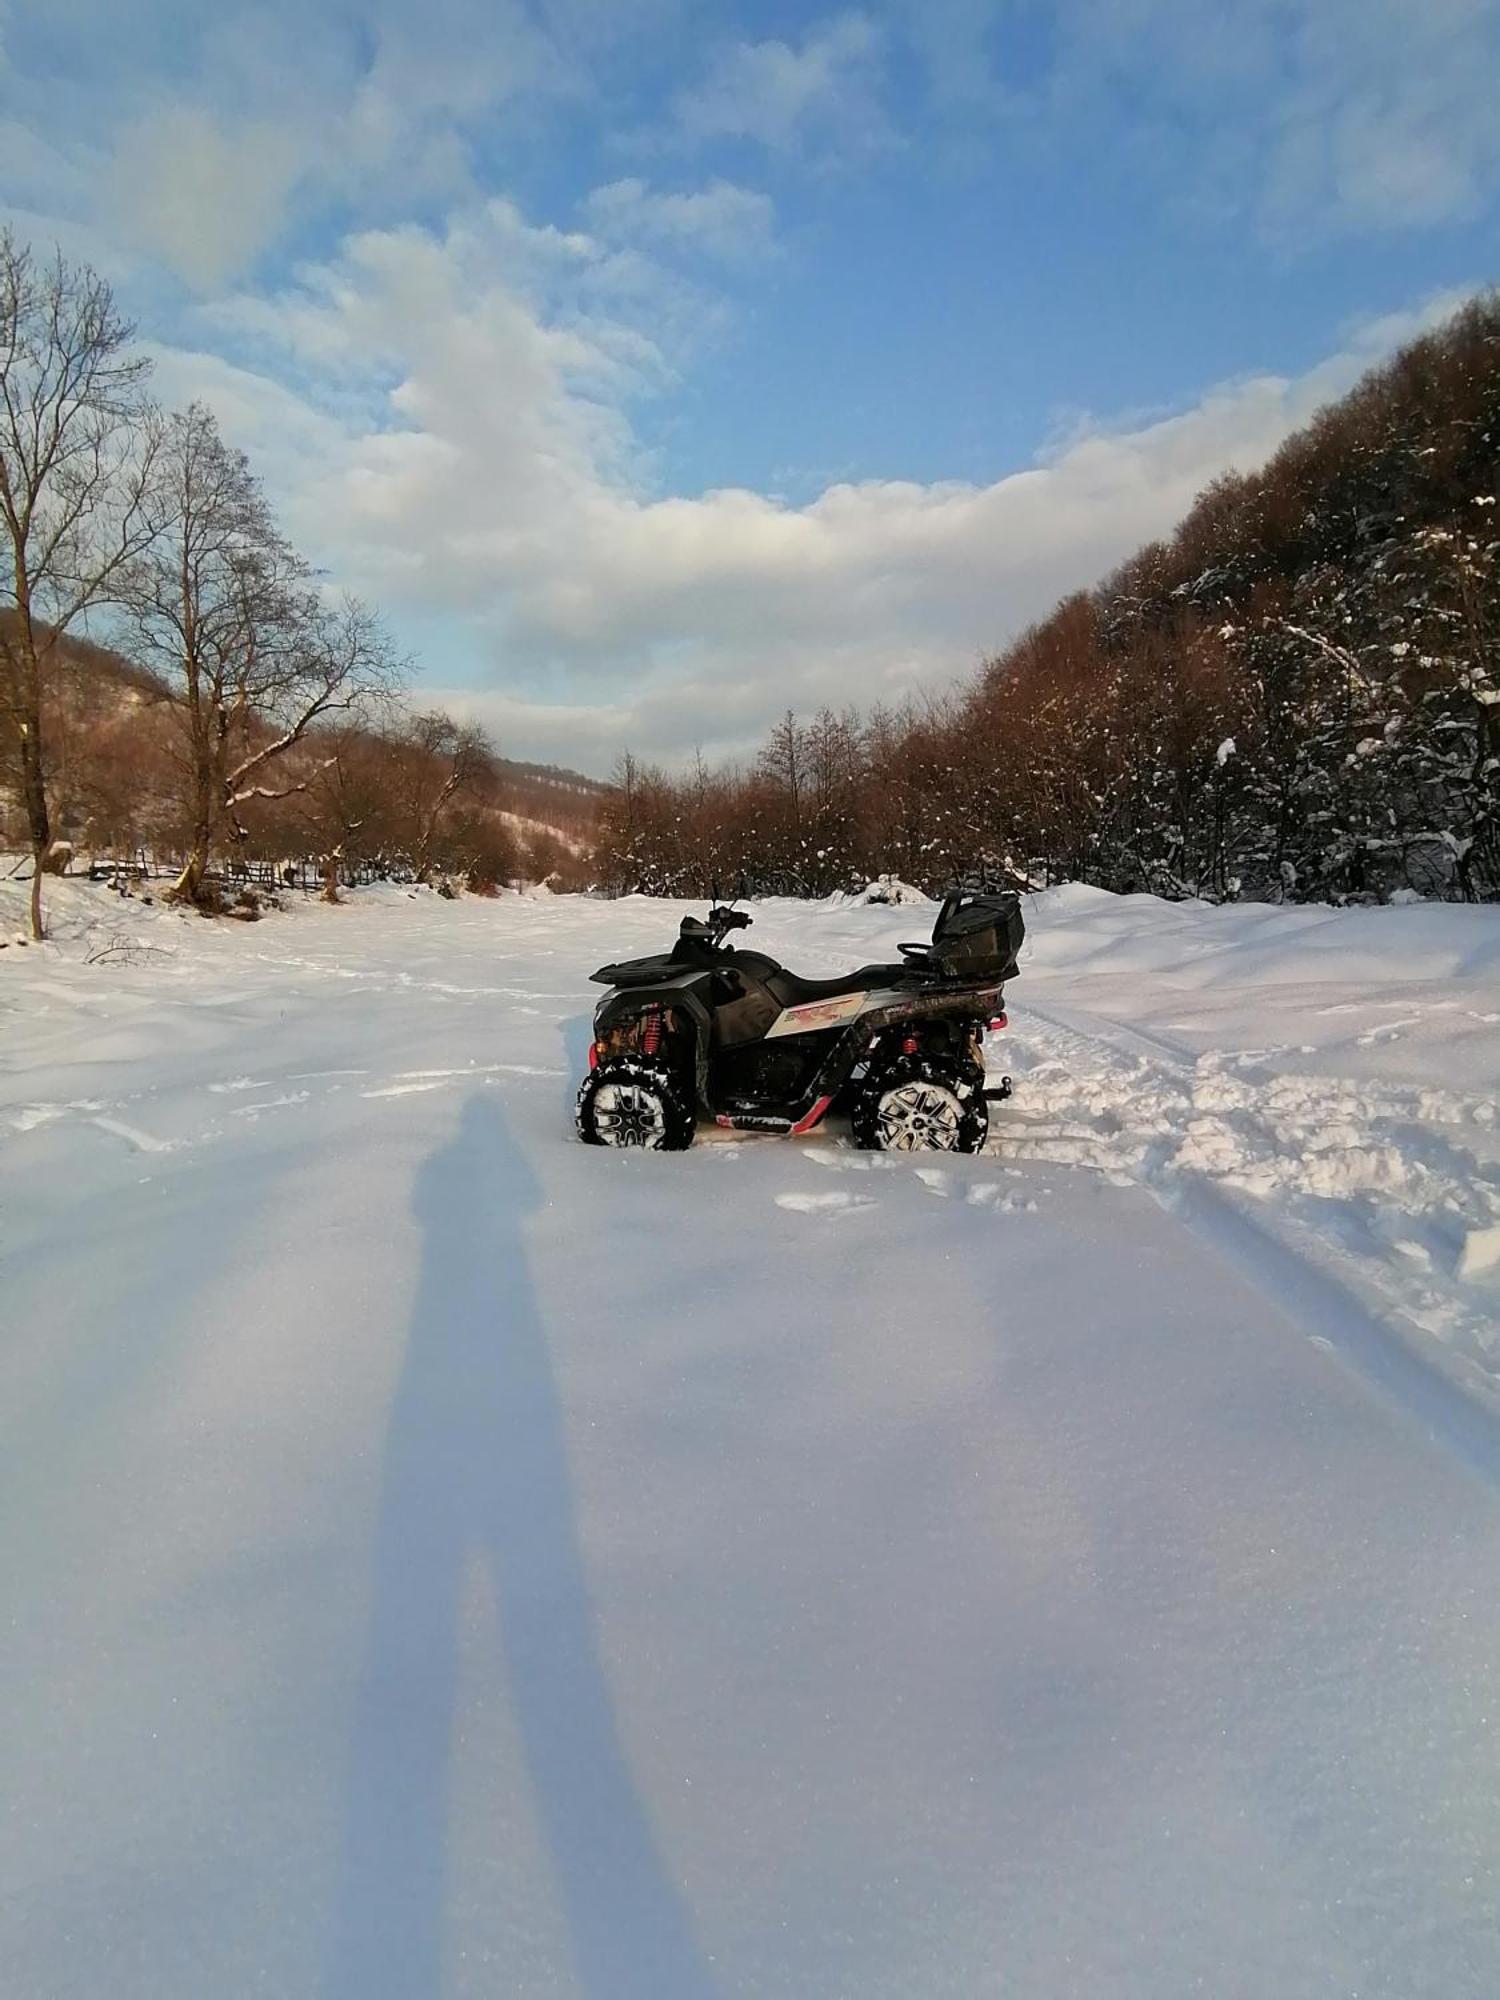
978 936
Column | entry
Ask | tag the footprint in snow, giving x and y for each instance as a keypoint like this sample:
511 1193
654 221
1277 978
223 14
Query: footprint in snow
844 1159
134 1137
824 1204
1388 1031
253 1111
1413 1252
1003 1201
31 1117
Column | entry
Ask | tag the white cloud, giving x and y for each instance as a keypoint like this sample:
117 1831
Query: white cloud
202 195
461 450
732 223
203 135
1390 119
1311 117
822 98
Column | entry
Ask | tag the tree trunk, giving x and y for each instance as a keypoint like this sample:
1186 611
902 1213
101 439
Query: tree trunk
188 888
34 793
208 806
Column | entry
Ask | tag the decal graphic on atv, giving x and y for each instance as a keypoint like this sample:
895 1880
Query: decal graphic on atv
817 1014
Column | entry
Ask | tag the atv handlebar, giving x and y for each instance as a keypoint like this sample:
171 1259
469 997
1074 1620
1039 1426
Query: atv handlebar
711 933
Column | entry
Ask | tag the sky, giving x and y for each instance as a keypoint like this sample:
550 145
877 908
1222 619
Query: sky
656 365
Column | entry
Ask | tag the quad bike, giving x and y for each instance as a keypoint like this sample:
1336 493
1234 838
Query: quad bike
731 1035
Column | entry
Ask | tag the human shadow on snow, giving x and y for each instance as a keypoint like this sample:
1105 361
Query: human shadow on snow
476 1467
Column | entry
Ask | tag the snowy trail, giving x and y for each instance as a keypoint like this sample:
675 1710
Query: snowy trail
441 1559
1387 1188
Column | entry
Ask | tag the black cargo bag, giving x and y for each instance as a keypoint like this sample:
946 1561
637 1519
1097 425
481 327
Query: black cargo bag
979 936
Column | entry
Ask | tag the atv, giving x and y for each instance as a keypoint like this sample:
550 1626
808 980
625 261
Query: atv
731 1035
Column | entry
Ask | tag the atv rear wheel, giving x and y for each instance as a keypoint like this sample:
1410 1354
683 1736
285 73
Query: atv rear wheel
634 1101
920 1104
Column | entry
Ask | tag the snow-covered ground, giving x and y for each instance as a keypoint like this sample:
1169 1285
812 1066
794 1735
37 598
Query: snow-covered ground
439 1558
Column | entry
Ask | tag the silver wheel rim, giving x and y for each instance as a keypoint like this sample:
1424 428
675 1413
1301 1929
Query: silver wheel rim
627 1114
919 1118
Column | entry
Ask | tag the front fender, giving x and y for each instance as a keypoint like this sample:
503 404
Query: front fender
688 997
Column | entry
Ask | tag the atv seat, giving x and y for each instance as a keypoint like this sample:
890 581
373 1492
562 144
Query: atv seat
793 992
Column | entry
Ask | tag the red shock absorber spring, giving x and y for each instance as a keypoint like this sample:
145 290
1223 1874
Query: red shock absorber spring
910 1046
651 1032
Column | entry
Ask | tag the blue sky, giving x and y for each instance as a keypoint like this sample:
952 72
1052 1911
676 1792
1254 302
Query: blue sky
654 366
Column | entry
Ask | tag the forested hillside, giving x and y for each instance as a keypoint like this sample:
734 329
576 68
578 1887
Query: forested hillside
395 789
1295 697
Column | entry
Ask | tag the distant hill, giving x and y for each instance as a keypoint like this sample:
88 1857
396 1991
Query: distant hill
552 795
113 732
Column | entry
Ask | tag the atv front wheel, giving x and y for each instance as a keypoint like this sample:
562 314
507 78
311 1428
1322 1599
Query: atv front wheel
634 1101
920 1104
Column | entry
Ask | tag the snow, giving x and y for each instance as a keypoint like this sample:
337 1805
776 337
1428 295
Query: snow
889 889
1481 1252
445 1559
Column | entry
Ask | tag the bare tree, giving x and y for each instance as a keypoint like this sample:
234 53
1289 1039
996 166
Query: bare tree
346 808
224 607
77 445
444 760
338 661
783 767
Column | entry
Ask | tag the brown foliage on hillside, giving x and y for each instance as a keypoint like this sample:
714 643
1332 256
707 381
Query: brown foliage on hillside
1297 695
408 795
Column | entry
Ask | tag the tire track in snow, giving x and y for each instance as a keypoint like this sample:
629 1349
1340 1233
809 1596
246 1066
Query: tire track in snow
1455 1402
1354 1206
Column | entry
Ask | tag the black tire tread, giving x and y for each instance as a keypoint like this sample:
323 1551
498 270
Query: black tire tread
965 1082
650 1073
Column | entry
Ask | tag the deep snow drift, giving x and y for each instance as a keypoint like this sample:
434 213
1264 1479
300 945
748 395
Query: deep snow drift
440 1558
